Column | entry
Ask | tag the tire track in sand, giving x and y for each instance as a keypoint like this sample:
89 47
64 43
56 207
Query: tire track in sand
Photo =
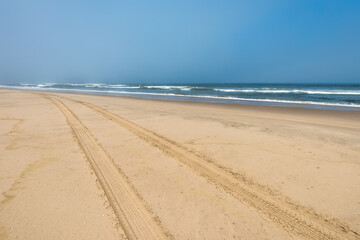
135 218
292 217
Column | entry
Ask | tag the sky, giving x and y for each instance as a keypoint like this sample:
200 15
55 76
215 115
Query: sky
114 41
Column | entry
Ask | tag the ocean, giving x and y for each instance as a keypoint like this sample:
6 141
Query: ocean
333 97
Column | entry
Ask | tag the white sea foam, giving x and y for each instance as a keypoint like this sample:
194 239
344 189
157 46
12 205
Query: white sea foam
336 92
86 85
249 99
183 88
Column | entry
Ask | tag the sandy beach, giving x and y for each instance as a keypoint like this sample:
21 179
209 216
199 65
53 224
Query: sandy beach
76 166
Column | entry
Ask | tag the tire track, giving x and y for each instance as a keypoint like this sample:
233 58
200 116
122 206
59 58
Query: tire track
293 218
135 218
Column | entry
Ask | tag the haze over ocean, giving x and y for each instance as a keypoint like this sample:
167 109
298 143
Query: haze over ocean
186 43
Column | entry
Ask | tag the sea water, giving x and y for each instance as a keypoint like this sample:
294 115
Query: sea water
337 97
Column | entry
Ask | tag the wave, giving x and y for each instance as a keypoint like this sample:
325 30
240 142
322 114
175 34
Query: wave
183 88
119 86
85 85
197 88
297 91
248 99
231 98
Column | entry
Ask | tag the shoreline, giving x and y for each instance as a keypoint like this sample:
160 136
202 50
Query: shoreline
289 112
207 99
183 98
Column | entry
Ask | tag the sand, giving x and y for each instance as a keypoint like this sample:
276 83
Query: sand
78 166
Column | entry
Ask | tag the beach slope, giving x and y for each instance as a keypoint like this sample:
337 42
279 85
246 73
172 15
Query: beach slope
78 166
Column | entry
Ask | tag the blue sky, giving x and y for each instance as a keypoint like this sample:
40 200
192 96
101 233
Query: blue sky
180 41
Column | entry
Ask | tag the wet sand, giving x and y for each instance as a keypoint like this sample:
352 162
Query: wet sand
78 166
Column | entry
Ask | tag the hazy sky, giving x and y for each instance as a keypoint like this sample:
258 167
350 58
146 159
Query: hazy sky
288 41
